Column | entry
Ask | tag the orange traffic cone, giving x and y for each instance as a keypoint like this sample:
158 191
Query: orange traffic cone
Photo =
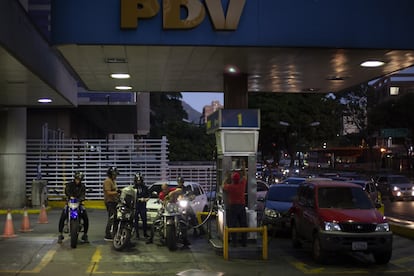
8 227
42 215
25 227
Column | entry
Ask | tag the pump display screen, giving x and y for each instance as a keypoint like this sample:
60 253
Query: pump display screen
231 142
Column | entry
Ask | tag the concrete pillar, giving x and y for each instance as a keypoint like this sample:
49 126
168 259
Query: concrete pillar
143 113
12 158
235 91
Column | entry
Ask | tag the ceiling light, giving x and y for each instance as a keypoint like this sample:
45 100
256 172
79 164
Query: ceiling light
232 69
44 100
120 76
123 87
372 63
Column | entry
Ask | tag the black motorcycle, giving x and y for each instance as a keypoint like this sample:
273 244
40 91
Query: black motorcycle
123 227
171 223
74 221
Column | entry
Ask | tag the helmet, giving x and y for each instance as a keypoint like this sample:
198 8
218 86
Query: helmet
180 180
138 178
112 171
78 175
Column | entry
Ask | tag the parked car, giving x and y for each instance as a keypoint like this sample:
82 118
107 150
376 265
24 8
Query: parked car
198 204
277 206
337 216
370 188
294 180
261 191
395 187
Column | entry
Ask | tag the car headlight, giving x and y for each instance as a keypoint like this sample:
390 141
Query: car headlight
395 188
272 213
382 227
332 226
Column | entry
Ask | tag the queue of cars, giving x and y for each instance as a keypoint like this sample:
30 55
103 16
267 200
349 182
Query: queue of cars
338 214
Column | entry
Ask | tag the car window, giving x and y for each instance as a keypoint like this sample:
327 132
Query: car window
261 187
196 190
283 194
343 198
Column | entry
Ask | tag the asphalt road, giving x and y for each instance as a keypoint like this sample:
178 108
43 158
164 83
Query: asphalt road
37 253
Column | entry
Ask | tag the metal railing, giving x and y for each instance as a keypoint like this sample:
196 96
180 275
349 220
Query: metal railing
56 161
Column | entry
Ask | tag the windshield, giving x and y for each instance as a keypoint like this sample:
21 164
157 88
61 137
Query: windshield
399 180
343 198
284 194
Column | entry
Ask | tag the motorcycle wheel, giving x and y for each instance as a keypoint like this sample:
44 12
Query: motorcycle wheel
170 238
121 238
74 232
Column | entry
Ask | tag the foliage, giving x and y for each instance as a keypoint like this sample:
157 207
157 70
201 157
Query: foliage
187 142
300 111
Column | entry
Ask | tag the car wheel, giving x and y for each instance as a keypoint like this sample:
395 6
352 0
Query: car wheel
319 255
295 239
382 257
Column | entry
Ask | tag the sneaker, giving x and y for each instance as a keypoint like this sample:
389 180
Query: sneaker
85 238
60 238
108 238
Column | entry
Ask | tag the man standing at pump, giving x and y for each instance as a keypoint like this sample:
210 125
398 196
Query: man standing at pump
236 216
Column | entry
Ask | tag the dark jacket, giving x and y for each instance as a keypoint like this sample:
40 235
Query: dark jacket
75 190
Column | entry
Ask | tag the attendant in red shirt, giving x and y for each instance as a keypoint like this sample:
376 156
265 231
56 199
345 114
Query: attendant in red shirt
165 190
236 206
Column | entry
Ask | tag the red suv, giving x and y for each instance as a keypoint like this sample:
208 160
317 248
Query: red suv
339 217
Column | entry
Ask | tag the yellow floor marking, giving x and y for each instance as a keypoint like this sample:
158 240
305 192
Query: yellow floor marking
96 258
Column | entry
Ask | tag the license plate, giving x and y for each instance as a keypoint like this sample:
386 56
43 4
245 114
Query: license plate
359 246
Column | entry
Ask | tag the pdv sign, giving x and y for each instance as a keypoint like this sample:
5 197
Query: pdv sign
134 10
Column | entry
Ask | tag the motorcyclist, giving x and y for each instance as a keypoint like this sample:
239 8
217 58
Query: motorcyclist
75 189
171 195
141 204
111 195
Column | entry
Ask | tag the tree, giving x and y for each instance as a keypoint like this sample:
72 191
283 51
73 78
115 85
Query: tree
299 114
187 142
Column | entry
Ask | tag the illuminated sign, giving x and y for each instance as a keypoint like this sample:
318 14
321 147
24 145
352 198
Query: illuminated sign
195 11
233 119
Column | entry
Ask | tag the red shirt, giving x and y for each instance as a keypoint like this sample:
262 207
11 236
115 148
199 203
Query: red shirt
162 195
236 192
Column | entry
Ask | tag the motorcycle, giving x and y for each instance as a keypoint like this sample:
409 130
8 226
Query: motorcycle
123 227
171 223
74 221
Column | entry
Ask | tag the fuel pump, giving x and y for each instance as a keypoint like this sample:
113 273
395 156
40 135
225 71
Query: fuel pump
237 134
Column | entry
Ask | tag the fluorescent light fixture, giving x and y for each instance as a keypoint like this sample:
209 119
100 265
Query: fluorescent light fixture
120 76
123 87
372 63
44 100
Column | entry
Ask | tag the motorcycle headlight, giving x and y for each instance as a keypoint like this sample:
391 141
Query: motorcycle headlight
183 203
171 208
332 226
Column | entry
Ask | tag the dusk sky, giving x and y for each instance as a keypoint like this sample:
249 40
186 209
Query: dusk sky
198 100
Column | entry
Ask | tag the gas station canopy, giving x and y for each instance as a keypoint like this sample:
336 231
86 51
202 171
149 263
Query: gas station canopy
186 46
